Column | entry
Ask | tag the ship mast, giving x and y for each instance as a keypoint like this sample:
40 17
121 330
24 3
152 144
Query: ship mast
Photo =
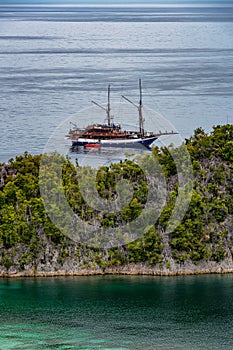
108 108
139 107
141 120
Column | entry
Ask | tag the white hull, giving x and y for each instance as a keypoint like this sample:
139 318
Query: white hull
137 142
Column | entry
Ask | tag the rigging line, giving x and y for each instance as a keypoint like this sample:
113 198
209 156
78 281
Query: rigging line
119 103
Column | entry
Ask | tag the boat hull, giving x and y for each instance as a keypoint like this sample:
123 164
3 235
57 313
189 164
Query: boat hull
92 145
139 142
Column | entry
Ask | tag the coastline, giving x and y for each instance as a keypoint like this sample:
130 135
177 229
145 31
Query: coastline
188 268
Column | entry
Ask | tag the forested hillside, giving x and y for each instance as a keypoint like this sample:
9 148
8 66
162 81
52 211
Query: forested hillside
31 245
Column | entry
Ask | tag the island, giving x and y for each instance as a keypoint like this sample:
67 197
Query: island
31 245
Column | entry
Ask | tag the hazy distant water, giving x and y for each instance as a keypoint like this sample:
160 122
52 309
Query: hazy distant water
55 60
121 313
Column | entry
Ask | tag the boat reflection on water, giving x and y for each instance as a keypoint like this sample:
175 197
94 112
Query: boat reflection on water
104 156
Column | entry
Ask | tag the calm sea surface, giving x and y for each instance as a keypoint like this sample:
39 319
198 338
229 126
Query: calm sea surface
121 313
55 60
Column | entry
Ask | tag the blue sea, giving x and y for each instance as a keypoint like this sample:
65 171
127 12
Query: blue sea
55 59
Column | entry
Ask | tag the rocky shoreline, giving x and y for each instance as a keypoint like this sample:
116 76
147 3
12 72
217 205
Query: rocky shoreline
187 268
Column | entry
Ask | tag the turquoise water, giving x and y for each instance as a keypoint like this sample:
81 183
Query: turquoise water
121 313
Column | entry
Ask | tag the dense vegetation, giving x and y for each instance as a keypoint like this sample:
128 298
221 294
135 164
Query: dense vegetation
29 238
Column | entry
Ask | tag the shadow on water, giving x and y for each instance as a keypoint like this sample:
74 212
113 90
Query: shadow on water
104 156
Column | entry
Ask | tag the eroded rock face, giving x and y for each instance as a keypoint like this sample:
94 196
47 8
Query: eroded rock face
50 261
5 171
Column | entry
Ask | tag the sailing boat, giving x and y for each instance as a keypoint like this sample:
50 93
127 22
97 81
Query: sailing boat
111 134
